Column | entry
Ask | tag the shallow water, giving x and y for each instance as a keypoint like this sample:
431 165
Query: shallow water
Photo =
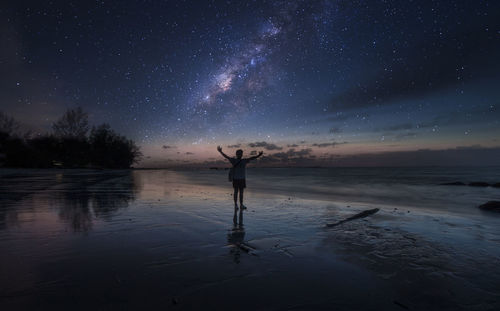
416 187
84 239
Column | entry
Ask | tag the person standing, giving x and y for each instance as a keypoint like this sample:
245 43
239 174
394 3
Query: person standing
239 173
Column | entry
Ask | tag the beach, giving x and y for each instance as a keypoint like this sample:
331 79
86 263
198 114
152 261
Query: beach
167 239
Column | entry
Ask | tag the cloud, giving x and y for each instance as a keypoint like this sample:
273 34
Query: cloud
253 152
292 153
333 144
400 131
265 145
189 153
292 146
335 130
167 147
291 156
432 64
467 155
342 117
401 136
234 146
396 127
339 117
472 147
299 153
476 114
458 156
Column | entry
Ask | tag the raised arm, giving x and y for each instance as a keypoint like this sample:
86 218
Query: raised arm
255 157
219 148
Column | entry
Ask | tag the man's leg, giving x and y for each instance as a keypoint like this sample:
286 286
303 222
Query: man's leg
235 196
241 217
241 197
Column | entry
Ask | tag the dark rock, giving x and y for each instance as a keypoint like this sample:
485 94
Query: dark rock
455 183
493 206
497 185
479 184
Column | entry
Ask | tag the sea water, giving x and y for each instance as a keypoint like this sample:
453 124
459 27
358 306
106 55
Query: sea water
85 239
418 187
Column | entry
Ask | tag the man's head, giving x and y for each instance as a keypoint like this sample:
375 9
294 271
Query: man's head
239 153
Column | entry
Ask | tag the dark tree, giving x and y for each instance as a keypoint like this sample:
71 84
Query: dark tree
71 130
7 124
44 151
16 152
110 150
8 143
73 151
68 147
73 124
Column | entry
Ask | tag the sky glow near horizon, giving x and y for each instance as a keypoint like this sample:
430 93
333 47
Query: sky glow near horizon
307 82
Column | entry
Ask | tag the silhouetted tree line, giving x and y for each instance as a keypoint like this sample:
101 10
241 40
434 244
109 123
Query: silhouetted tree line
70 144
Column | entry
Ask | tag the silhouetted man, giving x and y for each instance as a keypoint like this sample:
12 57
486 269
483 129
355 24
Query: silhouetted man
239 173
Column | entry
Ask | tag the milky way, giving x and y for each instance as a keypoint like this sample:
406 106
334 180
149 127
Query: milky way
309 82
231 90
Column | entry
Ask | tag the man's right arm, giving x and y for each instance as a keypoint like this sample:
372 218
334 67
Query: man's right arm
222 153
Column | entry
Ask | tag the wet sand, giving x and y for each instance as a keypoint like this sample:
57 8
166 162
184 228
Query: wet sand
120 240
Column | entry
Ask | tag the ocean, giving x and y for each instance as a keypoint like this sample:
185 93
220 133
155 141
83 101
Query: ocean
416 187
144 239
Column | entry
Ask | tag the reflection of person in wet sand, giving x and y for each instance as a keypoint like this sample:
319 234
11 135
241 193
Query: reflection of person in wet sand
239 173
236 236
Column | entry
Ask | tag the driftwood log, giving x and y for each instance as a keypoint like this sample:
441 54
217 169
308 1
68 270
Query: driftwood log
358 215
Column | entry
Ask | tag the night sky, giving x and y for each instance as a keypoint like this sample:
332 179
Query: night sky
307 82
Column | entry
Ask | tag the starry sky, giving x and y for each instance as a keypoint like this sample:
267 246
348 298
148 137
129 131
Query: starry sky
311 83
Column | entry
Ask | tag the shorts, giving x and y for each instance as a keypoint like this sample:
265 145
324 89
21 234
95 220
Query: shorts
239 183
